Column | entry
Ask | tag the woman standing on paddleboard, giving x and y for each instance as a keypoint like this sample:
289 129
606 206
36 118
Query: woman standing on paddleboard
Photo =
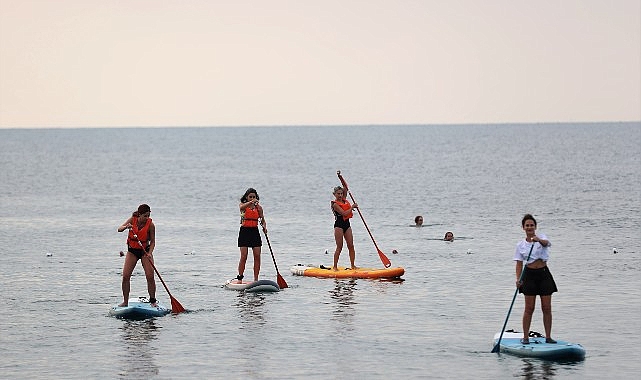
249 236
141 229
537 278
342 210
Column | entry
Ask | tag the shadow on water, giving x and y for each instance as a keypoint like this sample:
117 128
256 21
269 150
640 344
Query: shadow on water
137 337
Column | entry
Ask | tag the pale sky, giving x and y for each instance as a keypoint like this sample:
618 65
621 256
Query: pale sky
102 63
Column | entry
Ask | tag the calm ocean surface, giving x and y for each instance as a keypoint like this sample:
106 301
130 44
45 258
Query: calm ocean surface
65 191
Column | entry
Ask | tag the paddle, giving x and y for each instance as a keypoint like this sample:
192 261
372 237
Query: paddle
516 291
384 258
176 307
279 279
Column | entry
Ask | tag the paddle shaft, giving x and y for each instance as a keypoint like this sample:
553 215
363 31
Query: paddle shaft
176 307
516 291
382 256
279 279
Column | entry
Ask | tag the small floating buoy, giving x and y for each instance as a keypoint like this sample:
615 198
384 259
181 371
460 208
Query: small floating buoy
469 251
614 250
122 253
48 254
394 251
191 253
326 252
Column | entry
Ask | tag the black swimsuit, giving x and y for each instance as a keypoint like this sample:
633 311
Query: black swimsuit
340 222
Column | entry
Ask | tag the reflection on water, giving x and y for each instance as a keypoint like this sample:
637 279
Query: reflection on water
545 369
250 306
537 369
140 353
342 297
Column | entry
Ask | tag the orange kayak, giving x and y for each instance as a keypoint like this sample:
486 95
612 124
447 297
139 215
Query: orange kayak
342 272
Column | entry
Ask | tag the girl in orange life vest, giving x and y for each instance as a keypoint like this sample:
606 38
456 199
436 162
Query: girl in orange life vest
249 236
141 225
342 210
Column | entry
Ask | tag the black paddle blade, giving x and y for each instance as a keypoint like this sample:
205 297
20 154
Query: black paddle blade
496 348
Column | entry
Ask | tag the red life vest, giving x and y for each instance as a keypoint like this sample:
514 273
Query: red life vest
345 205
143 234
249 217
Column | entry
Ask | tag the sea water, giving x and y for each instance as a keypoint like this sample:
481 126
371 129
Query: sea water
63 193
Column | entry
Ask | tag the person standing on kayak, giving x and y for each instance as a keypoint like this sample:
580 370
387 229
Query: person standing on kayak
537 278
249 236
342 210
141 229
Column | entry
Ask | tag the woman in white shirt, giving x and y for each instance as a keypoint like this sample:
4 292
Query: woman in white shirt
537 279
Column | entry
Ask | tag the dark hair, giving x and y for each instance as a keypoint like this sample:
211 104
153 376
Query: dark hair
243 199
527 217
143 208
416 218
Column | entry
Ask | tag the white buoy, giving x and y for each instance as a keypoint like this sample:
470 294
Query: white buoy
49 254
614 250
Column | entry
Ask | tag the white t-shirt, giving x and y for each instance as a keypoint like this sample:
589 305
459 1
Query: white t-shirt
538 252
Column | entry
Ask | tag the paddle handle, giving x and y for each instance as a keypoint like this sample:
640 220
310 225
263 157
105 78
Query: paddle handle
176 307
516 291
386 262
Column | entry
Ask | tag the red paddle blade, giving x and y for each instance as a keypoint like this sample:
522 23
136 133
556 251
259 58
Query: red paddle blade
281 282
384 259
176 307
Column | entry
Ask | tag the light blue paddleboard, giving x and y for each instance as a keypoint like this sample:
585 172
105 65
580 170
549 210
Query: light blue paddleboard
537 348
253 286
139 308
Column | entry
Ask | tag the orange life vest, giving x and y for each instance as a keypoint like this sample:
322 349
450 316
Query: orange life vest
143 234
345 205
249 217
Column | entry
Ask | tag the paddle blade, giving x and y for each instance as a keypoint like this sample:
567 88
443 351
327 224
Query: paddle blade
384 259
176 307
281 282
496 348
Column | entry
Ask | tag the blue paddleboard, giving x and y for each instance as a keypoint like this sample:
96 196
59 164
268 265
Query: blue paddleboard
139 308
537 348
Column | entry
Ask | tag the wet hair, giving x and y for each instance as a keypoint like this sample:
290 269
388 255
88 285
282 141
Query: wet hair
416 218
243 199
527 217
448 233
338 188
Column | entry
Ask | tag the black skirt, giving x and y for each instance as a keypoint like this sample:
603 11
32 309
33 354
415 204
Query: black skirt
249 237
538 282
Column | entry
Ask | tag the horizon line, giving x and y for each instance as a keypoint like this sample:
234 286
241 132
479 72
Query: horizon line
324 125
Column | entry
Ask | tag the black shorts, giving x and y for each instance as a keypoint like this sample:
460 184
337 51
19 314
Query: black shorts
139 253
538 282
342 223
249 237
